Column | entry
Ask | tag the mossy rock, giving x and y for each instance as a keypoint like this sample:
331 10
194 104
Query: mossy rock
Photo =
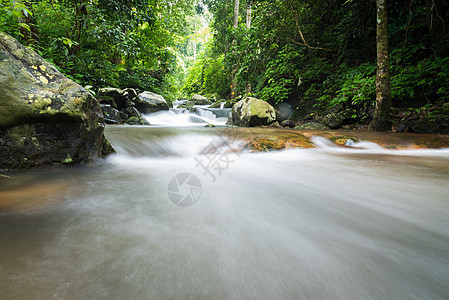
251 112
44 116
312 126
200 100
137 121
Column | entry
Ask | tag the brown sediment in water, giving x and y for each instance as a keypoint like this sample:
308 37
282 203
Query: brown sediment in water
29 198
269 139
387 140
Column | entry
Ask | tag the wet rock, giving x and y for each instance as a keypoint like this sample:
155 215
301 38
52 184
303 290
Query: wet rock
45 118
132 112
199 100
108 100
112 96
111 115
129 94
265 144
288 123
148 102
251 112
137 121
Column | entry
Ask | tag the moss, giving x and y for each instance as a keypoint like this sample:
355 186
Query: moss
68 160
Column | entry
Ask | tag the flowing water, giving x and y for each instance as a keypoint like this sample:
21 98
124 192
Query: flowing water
326 223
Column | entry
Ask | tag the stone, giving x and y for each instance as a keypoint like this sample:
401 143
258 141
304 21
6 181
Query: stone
199 100
336 119
216 104
105 94
312 126
107 100
251 112
288 123
137 121
44 122
131 111
111 115
129 94
148 102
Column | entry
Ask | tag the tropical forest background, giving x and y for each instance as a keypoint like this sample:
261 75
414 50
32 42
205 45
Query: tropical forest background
314 55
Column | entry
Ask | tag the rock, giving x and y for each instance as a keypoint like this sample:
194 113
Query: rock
312 126
129 94
148 102
288 123
251 112
107 100
216 105
429 125
210 125
111 115
123 116
45 118
187 105
137 121
199 100
336 119
212 97
132 112
105 94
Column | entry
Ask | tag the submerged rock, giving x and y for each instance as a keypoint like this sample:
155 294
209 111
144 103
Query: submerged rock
148 102
251 112
45 118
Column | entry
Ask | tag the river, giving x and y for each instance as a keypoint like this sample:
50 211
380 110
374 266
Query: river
324 223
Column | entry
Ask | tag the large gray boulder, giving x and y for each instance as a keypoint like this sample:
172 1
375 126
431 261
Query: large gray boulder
45 118
148 102
251 112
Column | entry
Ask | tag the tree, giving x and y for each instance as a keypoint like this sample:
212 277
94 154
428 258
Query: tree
236 13
381 119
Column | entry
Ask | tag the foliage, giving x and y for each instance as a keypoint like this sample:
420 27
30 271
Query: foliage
321 54
103 42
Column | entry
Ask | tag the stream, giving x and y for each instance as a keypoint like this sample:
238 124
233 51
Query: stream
178 214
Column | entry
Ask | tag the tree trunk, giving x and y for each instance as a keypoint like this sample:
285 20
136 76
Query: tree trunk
381 119
234 71
248 26
236 13
248 15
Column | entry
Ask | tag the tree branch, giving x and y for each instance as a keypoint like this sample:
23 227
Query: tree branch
304 42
